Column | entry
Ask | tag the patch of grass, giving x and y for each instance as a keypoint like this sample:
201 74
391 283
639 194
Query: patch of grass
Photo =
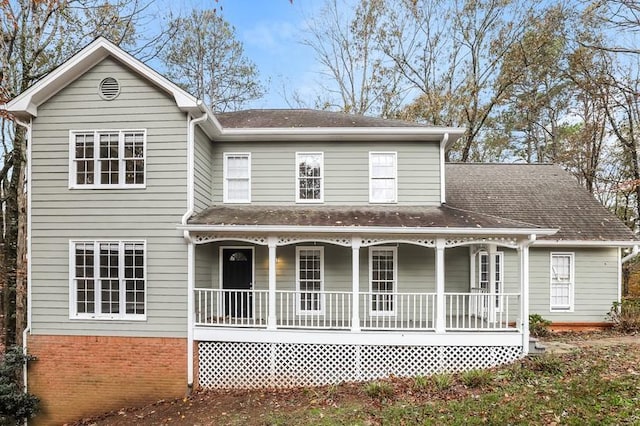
476 378
420 383
547 363
378 390
442 381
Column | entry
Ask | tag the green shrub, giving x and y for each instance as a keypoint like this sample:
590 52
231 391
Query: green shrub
379 390
442 381
476 378
420 383
538 326
625 315
15 404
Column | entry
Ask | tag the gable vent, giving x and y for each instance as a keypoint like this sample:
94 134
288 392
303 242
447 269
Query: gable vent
109 88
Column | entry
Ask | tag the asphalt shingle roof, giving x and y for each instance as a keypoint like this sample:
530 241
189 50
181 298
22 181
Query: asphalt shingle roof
536 193
369 216
283 118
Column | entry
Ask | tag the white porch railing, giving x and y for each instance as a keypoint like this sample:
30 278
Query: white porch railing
481 310
332 310
398 311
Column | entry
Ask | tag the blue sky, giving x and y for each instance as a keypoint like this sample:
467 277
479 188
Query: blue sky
271 31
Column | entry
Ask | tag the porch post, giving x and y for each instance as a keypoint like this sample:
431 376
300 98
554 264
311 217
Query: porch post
440 315
524 292
356 242
491 301
271 320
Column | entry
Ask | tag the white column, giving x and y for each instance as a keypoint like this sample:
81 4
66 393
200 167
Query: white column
524 293
271 320
491 301
356 242
440 315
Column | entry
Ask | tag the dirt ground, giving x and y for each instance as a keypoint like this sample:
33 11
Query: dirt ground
254 407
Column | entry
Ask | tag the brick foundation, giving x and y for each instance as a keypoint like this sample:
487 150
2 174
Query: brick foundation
580 326
80 376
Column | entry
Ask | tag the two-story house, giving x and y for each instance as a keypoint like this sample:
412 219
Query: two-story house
170 247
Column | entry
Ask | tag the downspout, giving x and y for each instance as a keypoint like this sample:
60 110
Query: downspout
634 253
443 144
621 261
190 246
27 329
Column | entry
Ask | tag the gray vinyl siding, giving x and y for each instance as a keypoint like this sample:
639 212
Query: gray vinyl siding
202 171
60 214
596 278
346 171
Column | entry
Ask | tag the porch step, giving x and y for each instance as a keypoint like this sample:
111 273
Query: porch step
535 347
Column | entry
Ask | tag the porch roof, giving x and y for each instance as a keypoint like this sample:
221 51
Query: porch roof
537 193
369 217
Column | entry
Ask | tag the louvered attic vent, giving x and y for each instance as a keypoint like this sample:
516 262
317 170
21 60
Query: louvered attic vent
109 88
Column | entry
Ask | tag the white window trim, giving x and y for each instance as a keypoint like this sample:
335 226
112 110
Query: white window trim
225 183
297 173
122 316
300 311
572 283
394 293
395 177
500 255
96 169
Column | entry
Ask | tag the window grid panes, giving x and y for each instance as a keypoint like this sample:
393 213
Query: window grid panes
310 279
484 275
237 177
111 284
108 159
382 280
383 177
561 281
309 167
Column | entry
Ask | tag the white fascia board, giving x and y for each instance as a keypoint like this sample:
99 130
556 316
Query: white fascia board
27 102
584 243
487 232
340 133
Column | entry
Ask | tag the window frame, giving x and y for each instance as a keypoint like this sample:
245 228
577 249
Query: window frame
394 200
122 315
225 178
299 310
73 178
499 270
571 282
299 178
393 293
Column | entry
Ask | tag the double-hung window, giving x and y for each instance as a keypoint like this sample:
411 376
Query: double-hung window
237 178
310 279
107 159
562 281
309 177
383 273
108 279
382 177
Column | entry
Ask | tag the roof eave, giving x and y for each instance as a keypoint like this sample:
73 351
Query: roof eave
339 133
369 230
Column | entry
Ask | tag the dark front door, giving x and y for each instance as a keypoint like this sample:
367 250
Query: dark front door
237 273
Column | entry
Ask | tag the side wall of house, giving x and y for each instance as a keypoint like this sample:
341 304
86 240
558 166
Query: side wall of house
203 180
88 366
346 171
595 287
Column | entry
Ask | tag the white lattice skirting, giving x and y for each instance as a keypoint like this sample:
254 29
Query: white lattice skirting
252 365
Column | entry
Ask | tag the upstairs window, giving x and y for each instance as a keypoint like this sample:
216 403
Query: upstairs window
107 159
309 179
237 178
108 279
562 281
383 177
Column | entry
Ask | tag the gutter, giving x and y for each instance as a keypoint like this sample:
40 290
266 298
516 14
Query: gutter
190 249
